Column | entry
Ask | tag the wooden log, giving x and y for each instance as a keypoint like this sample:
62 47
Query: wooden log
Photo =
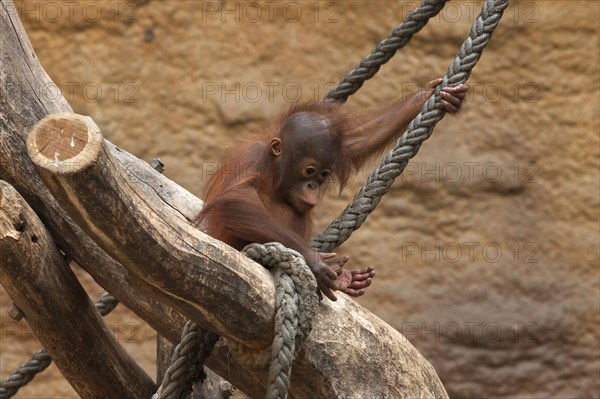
214 387
349 353
164 353
146 238
28 94
57 308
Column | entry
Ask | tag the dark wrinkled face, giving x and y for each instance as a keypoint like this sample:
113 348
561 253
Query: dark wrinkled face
305 153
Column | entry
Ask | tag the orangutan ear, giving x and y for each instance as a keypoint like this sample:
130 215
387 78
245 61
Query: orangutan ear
275 146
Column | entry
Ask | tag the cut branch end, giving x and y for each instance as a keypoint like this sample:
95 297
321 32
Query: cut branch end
64 143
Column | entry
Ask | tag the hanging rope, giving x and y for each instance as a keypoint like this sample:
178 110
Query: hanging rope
419 130
24 373
41 359
384 51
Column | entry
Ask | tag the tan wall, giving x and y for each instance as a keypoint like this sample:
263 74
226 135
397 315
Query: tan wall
517 172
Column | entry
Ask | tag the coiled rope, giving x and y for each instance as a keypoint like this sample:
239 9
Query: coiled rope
187 362
296 304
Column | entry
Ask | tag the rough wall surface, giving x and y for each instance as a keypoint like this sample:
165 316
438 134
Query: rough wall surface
487 249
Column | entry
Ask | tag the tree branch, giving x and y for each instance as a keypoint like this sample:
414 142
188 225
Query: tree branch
55 305
147 237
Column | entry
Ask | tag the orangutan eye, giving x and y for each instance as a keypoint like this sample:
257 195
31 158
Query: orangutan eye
325 173
310 170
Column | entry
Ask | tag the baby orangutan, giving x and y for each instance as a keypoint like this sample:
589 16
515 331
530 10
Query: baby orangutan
266 186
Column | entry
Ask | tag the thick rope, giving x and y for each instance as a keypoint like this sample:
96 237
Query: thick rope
41 359
419 130
187 362
384 51
106 304
24 373
296 303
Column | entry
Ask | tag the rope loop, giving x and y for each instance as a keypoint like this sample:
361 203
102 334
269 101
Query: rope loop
296 303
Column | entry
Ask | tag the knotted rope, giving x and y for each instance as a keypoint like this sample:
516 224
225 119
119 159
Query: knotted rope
419 130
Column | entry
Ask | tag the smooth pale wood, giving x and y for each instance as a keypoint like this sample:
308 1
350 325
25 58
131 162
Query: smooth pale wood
387 364
55 305
64 145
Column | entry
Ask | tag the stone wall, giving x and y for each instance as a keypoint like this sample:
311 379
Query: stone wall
487 249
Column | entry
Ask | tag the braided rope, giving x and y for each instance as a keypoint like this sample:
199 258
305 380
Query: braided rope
384 51
297 303
24 373
419 130
187 362
41 359
106 304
